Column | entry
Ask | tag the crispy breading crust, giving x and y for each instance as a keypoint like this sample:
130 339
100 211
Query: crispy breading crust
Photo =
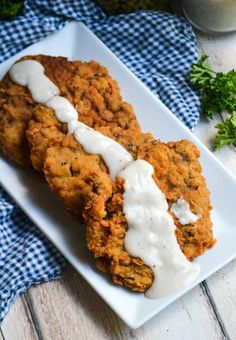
44 129
105 233
73 174
70 172
87 85
177 173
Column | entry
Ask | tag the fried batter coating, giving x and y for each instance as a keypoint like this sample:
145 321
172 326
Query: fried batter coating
73 174
44 128
17 105
178 174
105 233
52 151
87 85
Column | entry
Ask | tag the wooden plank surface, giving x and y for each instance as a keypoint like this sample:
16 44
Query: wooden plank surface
222 286
1 335
18 323
69 309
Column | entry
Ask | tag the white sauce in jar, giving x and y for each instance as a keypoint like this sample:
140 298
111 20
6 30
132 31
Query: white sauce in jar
151 230
182 211
211 15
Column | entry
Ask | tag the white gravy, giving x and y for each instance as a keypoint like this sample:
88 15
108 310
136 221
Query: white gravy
182 211
114 155
64 111
151 232
30 73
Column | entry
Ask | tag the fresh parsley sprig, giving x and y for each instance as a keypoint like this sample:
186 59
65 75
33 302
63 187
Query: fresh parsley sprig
201 74
226 133
218 93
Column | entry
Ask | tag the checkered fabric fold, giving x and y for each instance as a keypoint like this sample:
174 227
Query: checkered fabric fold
158 47
26 256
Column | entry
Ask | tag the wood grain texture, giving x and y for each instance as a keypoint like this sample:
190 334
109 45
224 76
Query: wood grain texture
18 323
70 309
222 286
1 335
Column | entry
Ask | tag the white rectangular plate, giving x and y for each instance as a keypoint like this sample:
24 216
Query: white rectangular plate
28 189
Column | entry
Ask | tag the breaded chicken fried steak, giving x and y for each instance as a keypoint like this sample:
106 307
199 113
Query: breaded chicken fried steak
145 203
87 86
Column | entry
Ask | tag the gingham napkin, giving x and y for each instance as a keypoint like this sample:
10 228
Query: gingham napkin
159 48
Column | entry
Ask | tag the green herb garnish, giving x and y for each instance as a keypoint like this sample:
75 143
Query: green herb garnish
10 8
226 133
218 92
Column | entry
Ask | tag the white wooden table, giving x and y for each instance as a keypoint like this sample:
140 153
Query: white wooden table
68 309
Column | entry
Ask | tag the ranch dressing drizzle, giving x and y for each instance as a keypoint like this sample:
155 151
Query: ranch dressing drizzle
151 232
182 211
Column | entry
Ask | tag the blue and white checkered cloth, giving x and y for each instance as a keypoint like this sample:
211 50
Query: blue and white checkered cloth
159 48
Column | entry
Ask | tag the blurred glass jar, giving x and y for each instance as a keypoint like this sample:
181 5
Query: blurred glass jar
127 6
211 16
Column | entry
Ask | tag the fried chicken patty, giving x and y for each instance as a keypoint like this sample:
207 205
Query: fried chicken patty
87 85
178 174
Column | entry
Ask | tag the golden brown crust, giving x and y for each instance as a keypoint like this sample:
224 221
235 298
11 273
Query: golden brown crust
69 170
51 151
87 85
73 174
105 232
16 107
177 173
42 130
